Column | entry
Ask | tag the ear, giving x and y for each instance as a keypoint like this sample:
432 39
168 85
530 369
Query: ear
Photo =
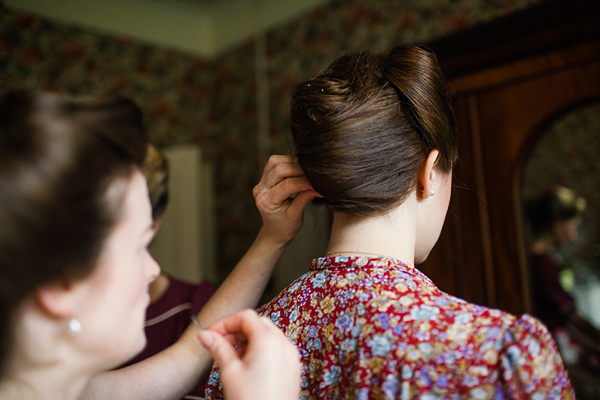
56 299
427 174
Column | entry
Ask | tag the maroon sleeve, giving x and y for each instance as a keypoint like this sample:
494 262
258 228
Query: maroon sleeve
201 295
548 277
552 302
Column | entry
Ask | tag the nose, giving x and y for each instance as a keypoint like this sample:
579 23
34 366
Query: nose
153 269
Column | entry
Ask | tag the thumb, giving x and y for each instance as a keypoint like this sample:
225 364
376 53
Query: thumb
303 198
220 349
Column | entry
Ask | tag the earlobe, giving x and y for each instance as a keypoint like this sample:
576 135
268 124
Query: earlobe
428 174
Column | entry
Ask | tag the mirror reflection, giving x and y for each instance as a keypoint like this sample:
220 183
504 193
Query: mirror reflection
562 209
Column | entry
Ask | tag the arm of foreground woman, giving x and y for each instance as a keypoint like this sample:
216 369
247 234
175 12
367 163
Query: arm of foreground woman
171 373
265 366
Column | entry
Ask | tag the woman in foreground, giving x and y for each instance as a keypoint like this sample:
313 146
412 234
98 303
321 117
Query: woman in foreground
75 224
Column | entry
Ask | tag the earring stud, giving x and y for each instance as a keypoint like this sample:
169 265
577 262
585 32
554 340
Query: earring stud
74 325
432 192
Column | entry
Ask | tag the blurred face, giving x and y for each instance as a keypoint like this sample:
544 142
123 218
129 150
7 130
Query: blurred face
432 221
115 295
566 231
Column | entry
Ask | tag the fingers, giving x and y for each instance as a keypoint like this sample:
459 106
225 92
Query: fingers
281 197
302 199
246 326
240 324
279 193
283 163
280 169
220 349
249 370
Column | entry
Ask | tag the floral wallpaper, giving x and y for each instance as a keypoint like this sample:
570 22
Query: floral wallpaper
213 103
171 87
237 160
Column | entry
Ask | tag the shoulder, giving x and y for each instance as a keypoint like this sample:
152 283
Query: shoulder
528 339
530 363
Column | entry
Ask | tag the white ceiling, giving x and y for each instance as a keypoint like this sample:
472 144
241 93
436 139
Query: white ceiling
203 27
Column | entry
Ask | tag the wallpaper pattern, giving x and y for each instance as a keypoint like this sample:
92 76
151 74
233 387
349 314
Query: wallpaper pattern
189 100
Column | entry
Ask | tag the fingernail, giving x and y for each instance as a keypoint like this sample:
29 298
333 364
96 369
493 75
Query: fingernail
206 338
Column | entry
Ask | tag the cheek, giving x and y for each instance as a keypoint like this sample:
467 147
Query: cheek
146 272
140 283
133 286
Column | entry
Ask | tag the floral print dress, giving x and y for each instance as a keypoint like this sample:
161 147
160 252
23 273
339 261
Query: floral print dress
377 328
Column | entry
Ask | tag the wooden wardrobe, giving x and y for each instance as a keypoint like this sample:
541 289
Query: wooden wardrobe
509 79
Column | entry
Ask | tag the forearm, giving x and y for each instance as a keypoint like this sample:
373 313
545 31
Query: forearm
170 374
173 372
281 197
246 283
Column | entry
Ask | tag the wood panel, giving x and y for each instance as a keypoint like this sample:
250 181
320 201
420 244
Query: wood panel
508 117
497 120
509 79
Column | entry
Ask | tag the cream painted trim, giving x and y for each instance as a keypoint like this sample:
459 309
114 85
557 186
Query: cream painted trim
206 31
191 32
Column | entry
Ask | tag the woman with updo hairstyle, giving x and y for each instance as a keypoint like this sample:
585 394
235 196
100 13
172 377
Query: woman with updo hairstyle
375 135
75 225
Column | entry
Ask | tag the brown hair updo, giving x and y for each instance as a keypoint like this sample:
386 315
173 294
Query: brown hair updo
363 127
58 158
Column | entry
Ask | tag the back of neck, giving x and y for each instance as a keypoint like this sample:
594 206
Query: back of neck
383 235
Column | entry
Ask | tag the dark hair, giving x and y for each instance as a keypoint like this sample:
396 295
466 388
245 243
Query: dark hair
58 158
363 127
555 205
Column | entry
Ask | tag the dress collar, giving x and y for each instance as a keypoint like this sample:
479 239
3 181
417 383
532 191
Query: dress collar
367 263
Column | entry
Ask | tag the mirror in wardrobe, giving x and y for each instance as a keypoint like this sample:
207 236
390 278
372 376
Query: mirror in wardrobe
560 179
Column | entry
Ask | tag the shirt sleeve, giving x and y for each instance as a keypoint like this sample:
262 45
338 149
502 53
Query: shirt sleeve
530 364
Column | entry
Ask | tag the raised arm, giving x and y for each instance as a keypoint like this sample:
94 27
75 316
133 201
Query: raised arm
171 373
282 218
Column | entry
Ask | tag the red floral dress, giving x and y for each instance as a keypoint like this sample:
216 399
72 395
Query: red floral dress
376 328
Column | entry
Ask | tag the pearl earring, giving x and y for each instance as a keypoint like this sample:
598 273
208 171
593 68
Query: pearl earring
432 192
74 325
